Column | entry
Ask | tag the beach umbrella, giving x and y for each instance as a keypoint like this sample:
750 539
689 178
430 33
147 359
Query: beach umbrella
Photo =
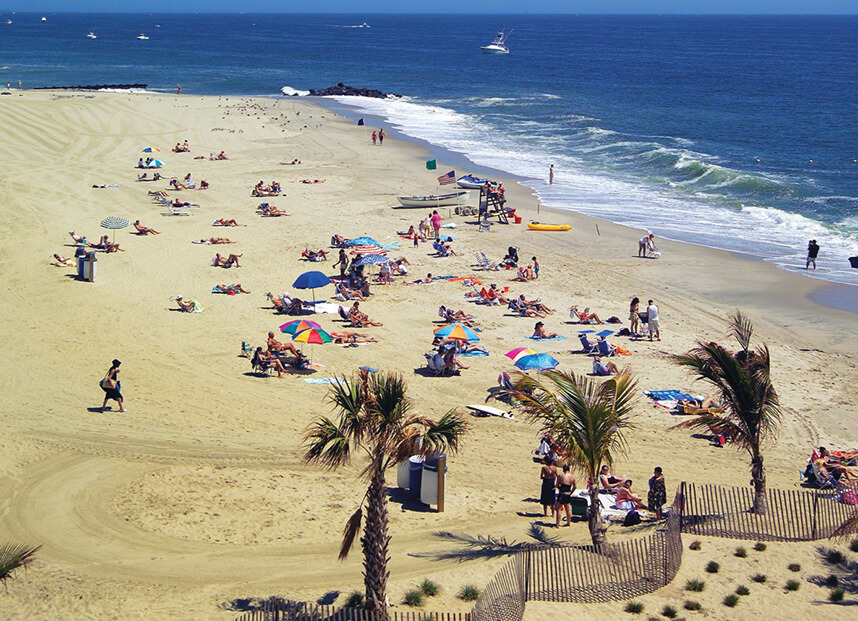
538 362
114 222
311 280
151 150
458 332
372 259
518 352
312 336
368 249
298 325
361 241
155 164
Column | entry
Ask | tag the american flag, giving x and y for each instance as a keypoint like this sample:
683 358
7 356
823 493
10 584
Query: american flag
447 179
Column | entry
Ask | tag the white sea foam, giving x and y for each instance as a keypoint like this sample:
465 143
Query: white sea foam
289 91
776 235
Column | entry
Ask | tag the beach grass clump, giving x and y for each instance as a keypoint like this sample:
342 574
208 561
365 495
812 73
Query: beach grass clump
832 581
696 586
731 600
760 546
712 567
792 585
634 608
835 557
794 567
759 578
669 612
740 552
836 595
415 598
429 588
853 545
355 600
695 545
690 604
469 593
742 590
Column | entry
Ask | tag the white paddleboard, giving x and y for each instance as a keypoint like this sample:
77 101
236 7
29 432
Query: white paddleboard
485 410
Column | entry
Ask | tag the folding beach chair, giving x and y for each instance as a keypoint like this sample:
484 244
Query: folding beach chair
605 348
586 346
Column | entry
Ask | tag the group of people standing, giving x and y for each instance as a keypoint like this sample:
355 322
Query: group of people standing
378 138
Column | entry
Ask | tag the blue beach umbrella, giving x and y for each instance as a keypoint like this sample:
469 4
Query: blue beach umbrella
538 362
361 241
311 280
372 259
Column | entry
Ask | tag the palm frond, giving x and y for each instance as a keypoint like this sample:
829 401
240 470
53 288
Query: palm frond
350 533
14 556
535 531
741 329
326 444
848 528
444 435
349 399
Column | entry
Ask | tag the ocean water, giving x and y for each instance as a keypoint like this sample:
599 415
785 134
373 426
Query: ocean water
739 133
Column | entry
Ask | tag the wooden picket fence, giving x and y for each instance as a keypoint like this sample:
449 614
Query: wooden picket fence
792 515
276 609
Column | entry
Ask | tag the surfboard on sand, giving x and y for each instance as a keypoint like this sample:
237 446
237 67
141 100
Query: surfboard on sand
485 410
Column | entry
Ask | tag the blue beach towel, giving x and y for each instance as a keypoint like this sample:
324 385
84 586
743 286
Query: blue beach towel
474 353
559 337
667 395
320 380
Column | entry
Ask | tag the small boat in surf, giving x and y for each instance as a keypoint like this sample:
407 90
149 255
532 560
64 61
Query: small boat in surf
91 35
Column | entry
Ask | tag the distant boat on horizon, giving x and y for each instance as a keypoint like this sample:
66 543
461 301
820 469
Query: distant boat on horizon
8 21
142 37
498 45
44 19
91 35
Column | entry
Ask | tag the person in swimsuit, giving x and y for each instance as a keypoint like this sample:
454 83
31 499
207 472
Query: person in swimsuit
608 482
634 319
548 474
347 337
539 332
110 386
627 500
566 485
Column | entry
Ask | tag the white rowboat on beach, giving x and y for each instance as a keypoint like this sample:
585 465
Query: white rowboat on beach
442 200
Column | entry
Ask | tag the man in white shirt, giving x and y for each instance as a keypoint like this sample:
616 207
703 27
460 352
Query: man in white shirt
652 320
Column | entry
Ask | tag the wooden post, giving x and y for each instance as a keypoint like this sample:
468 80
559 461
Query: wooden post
442 471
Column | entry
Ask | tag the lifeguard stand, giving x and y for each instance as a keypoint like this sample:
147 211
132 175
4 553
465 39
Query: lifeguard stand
491 204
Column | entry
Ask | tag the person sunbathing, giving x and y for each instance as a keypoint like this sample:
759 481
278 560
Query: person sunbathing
189 306
144 177
235 288
219 261
78 239
699 404
105 244
160 193
348 294
835 466
604 368
535 304
494 295
292 163
584 316
423 281
347 336
271 210
268 360
525 274
628 500
63 261
178 187
144 230
177 203
518 306
461 347
539 332
451 363
215 241
313 255
224 222
453 316
276 346
608 482
361 319
221 156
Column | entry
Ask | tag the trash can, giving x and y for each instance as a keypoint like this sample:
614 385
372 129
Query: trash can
402 474
80 256
415 473
88 268
429 481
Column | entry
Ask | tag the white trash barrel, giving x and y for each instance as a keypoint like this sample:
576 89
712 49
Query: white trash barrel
429 482
402 473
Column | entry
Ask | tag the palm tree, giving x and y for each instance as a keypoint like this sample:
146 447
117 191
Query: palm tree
375 416
14 556
751 410
585 417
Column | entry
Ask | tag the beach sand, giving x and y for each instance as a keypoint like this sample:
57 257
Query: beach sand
197 497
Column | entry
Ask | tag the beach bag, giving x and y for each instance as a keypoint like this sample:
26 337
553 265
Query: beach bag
633 518
107 383
849 497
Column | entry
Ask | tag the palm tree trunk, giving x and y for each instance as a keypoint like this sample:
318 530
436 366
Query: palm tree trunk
375 546
594 516
758 478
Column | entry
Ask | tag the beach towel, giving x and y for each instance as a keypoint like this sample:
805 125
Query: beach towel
217 289
558 337
320 380
667 399
473 353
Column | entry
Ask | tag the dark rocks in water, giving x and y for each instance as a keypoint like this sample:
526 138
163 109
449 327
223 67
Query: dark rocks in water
93 87
342 89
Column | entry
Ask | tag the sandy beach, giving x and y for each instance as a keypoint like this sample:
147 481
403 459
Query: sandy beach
197 496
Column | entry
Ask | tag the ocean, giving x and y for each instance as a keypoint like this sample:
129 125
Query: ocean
735 132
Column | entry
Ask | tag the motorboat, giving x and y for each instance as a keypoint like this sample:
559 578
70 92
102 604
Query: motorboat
142 37
8 21
433 200
363 25
91 35
44 19
498 45
470 182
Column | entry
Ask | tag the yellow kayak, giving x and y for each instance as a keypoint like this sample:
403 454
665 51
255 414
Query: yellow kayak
537 226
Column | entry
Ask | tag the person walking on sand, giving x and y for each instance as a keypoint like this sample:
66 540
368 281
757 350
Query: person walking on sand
551 175
374 138
380 137
657 496
111 387
652 320
548 474
436 224
812 253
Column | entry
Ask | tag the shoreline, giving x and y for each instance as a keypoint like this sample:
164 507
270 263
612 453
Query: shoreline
825 293
198 496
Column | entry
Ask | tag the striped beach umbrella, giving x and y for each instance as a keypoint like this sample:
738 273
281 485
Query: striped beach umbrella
457 332
298 325
368 249
518 352
151 150
314 336
113 223
372 259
